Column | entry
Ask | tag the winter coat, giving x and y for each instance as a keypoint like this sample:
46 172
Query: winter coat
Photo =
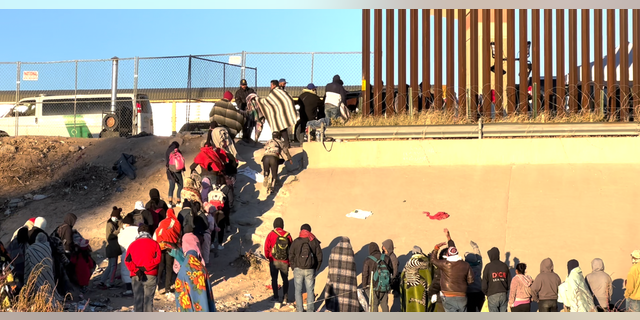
371 266
241 97
475 262
388 245
125 238
545 286
335 93
171 176
342 280
143 253
225 114
113 248
633 283
65 231
277 148
270 242
455 274
496 276
600 284
575 294
168 231
520 290
310 104
296 247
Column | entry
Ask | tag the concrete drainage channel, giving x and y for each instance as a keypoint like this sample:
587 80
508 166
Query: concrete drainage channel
489 130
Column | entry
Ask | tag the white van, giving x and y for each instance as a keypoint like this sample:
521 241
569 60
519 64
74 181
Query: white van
54 115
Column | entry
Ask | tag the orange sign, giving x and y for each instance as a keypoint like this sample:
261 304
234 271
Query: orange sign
30 76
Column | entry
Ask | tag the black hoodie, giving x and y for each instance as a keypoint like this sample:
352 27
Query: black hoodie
496 277
174 145
336 87
371 266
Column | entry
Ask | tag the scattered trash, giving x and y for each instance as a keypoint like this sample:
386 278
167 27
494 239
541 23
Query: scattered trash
28 196
359 214
251 174
438 216
269 287
118 189
38 197
160 310
248 296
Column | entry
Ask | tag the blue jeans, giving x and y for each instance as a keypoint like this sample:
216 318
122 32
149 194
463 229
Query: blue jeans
498 302
455 304
331 111
315 124
109 275
308 277
633 305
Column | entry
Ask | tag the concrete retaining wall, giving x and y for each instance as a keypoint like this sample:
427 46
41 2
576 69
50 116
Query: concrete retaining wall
364 154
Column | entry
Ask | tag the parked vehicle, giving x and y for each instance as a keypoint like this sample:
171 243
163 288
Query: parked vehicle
82 116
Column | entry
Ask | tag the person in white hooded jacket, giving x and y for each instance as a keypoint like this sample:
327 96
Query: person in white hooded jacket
574 292
126 237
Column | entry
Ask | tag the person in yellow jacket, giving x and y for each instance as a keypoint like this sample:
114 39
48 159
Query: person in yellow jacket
632 294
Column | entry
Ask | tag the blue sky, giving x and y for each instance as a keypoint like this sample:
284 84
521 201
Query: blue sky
53 35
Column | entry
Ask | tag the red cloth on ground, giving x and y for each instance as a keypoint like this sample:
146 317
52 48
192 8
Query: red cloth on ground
438 216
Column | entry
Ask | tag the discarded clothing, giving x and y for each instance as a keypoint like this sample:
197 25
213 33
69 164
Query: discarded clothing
252 174
359 214
438 216
124 166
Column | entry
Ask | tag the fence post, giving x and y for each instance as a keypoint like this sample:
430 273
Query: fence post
244 64
173 119
114 83
15 113
75 104
312 58
410 102
189 90
224 78
468 103
134 120
535 100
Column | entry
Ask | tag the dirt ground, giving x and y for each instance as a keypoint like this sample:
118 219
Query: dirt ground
76 176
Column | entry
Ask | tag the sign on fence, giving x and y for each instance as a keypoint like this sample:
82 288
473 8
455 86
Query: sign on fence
30 76
237 60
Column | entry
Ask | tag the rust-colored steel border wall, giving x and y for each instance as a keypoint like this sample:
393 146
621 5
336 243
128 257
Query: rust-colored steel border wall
489 53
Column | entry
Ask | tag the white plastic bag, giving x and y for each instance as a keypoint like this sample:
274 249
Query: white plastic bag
359 214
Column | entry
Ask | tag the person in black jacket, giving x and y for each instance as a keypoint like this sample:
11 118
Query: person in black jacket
241 101
305 258
335 96
310 104
113 249
157 207
370 266
174 178
185 217
496 280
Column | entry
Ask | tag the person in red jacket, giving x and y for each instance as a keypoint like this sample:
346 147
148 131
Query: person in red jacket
142 260
276 249
168 236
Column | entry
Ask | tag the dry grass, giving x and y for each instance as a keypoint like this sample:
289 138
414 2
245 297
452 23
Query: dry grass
442 117
32 299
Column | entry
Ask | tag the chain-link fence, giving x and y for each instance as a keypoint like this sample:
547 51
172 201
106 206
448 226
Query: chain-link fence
74 98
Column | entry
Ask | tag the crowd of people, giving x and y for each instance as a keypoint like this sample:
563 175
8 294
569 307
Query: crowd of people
442 280
166 246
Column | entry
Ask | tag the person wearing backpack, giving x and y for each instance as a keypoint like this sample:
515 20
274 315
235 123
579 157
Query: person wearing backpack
158 209
141 215
305 258
379 266
175 164
274 150
276 249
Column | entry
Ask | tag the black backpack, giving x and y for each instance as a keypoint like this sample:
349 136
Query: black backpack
307 260
138 218
280 250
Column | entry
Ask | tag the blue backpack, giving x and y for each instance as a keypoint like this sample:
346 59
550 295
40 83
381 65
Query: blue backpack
381 276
